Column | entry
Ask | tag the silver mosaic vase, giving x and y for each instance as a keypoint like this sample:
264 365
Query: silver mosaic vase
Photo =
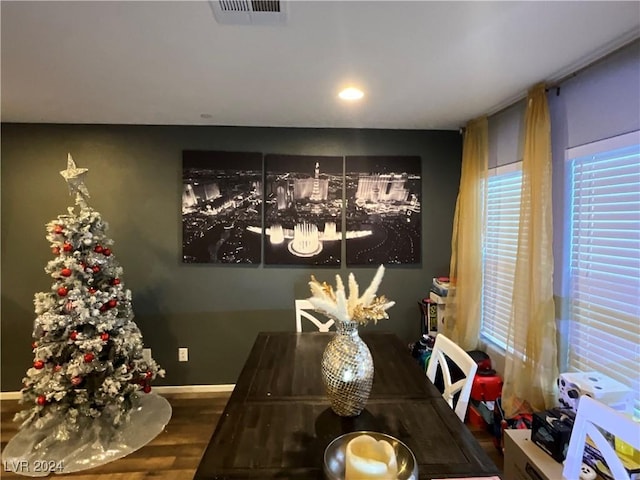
347 370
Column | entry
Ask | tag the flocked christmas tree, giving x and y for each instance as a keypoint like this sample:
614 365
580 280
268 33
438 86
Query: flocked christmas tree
88 363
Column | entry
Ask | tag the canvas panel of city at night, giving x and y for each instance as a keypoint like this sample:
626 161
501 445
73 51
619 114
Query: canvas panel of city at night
303 210
383 209
221 201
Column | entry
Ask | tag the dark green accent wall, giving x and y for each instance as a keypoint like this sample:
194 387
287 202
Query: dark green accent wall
135 183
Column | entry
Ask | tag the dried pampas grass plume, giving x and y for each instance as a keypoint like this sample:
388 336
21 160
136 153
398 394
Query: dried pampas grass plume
351 308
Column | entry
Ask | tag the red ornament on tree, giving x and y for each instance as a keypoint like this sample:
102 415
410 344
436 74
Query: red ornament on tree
115 281
88 357
146 388
148 375
34 344
95 269
38 364
56 250
104 336
58 229
41 400
92 290
57 368
98 249
67 247
68 307
103 308
112 303
106 252
62 291
75 381
73 335
65 272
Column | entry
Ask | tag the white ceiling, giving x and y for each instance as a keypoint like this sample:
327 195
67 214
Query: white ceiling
423 65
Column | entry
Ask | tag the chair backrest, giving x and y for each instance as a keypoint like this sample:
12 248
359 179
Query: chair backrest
443 348
302 310
592 414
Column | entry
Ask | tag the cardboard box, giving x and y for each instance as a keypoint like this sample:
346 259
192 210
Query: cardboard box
440 306
595 460
524 460
597 386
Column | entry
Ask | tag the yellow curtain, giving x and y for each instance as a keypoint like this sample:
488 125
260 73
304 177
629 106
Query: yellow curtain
463 309
531 358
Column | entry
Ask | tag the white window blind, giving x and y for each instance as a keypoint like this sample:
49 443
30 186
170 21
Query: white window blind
501 245
604 259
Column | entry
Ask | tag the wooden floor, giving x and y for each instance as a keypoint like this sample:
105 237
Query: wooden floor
486 441
176 452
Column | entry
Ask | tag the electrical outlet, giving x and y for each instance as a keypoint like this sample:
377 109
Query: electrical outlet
146 355
183 354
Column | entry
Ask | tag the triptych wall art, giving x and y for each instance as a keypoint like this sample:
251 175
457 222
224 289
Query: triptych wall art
300 209
221 207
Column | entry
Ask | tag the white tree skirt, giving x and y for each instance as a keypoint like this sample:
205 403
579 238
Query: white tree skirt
36 453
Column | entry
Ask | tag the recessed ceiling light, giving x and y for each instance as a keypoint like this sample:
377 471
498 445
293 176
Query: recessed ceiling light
351 93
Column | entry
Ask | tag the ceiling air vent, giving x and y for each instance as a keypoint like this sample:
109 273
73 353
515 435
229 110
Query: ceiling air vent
247 12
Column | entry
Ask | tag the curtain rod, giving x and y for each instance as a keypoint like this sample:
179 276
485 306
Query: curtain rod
627 40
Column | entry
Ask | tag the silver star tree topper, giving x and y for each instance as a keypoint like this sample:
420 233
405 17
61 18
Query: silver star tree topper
74 177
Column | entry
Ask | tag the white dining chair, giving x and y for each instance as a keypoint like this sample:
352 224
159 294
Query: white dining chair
443 348
303 307
592 415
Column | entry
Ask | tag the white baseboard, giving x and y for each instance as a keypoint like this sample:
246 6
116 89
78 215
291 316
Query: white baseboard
159 389
10 396
195 388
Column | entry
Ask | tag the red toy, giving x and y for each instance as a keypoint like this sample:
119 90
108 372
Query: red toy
486 387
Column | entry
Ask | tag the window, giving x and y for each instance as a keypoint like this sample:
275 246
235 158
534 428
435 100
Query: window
603 268
501 245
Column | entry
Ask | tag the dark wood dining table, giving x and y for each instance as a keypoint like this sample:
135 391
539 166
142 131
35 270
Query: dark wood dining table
278 422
